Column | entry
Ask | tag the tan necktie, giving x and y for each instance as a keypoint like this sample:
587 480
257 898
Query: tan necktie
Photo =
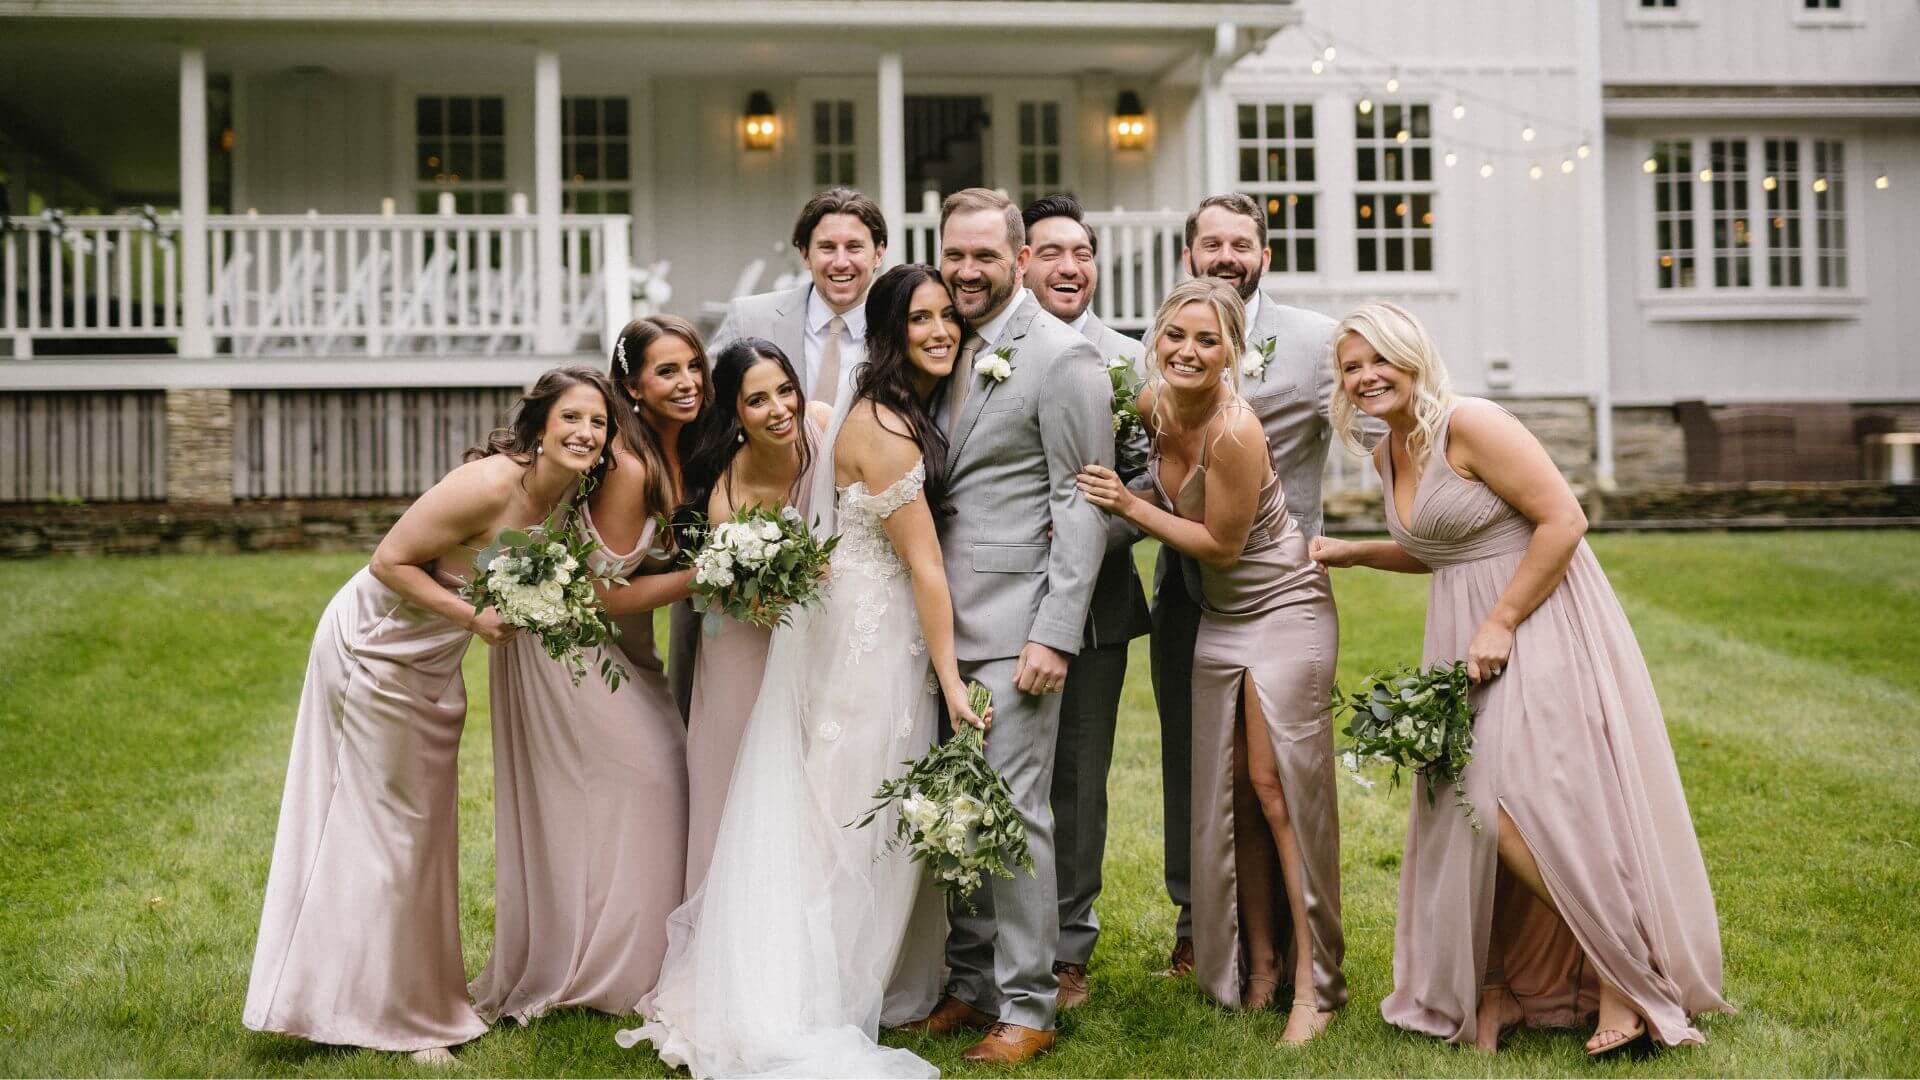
960 382
826 377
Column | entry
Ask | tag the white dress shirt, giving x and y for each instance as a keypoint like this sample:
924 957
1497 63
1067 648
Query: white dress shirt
1080 324
853 346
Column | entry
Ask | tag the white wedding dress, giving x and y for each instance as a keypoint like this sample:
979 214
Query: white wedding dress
807 935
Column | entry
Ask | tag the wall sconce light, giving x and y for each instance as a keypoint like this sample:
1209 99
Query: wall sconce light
1129 122
759 126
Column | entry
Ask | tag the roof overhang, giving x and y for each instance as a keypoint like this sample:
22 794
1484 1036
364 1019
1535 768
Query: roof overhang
1738 102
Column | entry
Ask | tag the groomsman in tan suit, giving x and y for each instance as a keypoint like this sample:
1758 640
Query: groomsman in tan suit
1063 276
821 326
1290 389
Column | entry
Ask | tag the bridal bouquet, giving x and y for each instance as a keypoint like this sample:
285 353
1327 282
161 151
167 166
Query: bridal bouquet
1418 720
956 812
756 568
1129 430
537 579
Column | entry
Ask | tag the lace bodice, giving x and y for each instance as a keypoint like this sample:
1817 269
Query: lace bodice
864 545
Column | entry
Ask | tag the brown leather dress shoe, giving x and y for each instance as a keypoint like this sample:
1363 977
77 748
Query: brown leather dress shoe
1009 1044
1180 962
1073 986
949 1016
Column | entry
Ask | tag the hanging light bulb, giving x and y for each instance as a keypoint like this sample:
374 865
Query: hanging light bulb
1881 182
1534 172
1566 166
1328 54
1769 183
1402 135
1526 133
1706 176
1650 165
1451 159
1486 169
1319 67
1584 151
1820 185
1366 106
1459 111
1393 84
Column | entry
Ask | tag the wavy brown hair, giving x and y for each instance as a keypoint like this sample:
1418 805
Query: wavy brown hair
886 378
527 421
637 435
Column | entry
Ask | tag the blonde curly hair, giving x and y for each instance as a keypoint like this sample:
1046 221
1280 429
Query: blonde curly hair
1402 341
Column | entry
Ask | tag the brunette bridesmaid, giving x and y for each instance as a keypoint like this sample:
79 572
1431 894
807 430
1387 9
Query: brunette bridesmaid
1585 896
590 783
1266 827
754 448
360 935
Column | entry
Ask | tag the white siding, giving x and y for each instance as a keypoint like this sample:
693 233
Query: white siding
1762 42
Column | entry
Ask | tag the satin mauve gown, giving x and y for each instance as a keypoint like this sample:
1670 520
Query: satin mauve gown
1570 741
1270 618
360 934
726 682
590 811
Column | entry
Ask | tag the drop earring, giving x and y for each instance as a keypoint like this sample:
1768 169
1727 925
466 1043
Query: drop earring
740 437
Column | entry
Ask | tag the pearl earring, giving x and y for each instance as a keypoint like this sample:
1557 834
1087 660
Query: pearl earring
741 437
636 408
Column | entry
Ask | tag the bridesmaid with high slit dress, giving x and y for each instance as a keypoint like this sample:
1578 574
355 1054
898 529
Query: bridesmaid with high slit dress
1586 896
755 447
590 784
1266 829
359 939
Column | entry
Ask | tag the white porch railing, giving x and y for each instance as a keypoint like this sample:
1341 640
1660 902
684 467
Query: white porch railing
1139 258
311 284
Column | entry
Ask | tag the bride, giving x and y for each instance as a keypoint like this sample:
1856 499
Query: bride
807 935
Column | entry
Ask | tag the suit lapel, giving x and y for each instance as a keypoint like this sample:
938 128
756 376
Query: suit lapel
977 400
790 325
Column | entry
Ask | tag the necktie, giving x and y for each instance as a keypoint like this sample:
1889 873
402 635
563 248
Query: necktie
960 382
826 377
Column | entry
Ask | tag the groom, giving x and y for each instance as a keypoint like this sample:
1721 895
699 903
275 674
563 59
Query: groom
1021 552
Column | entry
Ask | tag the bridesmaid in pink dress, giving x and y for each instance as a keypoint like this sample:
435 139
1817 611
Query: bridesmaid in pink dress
756 447
1266 821
590 784
360 934
1587 894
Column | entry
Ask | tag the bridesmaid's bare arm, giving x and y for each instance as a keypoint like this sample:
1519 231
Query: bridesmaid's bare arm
1331 551
466 503
1499 451
1237 470
620 514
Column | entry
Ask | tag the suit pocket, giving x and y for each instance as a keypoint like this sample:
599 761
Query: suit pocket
1272 395
1010 558
1003 403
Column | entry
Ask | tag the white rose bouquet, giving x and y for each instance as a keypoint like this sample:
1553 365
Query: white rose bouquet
1129 430
956 812
755 568
537 579
1419 720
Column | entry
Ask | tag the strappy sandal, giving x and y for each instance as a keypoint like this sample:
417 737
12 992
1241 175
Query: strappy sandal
1322 1020
1253 1000
1619 1041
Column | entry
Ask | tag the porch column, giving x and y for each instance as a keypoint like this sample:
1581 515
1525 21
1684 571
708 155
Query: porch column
195 339
1593 238
551 336
893 155
1216 113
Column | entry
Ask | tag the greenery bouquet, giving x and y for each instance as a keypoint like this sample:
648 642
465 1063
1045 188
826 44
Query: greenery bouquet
1419 720
956 812
756 568
537 579
1129 430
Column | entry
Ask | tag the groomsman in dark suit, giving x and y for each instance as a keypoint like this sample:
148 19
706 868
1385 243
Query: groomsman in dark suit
1288 380
1063 276
821 326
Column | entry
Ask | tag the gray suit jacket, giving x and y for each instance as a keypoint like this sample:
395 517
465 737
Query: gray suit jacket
1118 612
1014 453
1292 398
780 317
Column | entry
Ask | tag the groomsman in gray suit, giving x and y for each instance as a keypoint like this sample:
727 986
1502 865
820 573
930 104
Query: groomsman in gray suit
1021 550
1291 347
821 326
1063 276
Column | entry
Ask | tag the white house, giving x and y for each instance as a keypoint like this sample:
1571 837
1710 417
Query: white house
375 221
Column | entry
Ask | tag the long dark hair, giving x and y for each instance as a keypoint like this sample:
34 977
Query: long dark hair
527 421
886 378
712 441
637 435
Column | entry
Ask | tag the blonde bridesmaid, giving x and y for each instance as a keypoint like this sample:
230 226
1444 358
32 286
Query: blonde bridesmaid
590 783
360 934
754 448
1585 899
1266 827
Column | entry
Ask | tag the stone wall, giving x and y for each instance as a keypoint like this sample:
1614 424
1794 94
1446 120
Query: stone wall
137 528
1565 427
1649 449
200 446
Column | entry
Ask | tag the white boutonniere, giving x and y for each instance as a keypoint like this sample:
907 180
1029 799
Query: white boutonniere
996 365
1254 364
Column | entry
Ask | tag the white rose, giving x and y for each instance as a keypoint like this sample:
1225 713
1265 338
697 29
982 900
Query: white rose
1117 363
1252 364
768 530
993 367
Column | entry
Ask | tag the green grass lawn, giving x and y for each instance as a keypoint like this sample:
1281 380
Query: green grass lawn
146 706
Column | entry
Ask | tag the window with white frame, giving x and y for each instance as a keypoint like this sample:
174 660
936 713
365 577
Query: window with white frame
1277 169
1039 150
835 148
1823 5
1659 5
1772 207
1393 187
596 155
460 146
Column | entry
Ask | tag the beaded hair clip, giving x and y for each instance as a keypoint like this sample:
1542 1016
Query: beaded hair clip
620 355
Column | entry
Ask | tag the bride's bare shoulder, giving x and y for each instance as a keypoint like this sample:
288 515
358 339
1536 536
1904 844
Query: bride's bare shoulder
874 441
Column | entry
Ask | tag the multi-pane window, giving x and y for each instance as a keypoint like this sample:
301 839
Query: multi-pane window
1656 5
1830 213
1772 209
1039 149
834 145
1673 213
1277 168
1782 186
460 146
1394 187
595 155
1732 237
1823 5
